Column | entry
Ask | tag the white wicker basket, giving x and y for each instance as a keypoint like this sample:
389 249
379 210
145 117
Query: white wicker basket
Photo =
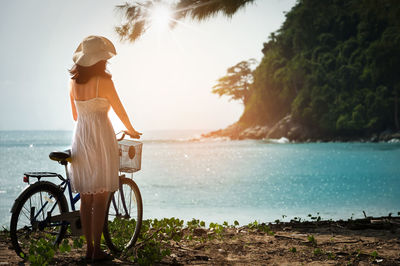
130 156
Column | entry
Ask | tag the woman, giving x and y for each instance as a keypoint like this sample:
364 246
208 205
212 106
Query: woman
95 157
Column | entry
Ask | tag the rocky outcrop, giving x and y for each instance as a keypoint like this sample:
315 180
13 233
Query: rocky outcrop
256 132
292 130
287 127
388 135
233 131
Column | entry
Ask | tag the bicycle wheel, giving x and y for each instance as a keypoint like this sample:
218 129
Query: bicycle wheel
30 216
124 216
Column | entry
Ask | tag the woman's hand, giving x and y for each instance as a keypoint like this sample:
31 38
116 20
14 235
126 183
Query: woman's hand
133 134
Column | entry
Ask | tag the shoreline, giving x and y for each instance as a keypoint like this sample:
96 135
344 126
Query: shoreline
360 242
288 130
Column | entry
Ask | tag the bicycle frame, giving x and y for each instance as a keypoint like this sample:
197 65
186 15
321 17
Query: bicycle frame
64 218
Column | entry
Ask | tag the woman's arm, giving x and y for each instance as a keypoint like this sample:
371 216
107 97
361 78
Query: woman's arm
73 107
112 96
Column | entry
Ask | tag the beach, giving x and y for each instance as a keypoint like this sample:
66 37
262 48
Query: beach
356 242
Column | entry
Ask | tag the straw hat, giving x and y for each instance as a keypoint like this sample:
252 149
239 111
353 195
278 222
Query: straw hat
92 50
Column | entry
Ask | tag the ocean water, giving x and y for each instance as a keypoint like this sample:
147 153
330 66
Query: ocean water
217 180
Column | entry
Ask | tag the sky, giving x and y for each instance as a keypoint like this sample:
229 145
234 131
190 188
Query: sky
164 80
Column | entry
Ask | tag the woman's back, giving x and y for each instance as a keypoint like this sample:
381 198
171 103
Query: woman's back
88 90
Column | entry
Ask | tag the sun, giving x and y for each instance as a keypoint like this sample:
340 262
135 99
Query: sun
160 17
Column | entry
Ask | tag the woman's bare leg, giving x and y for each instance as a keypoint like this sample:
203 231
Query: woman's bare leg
86 221
99 214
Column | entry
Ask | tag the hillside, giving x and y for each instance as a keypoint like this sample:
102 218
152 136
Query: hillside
330 71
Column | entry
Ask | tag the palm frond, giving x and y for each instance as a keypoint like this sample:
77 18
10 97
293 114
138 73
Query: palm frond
137 14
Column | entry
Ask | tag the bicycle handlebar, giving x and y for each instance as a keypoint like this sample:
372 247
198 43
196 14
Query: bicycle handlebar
124 133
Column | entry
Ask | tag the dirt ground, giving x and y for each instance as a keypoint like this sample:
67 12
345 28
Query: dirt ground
308 243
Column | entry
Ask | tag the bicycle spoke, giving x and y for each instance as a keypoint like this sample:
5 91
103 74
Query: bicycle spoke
41 204
27 217
30 219
122 227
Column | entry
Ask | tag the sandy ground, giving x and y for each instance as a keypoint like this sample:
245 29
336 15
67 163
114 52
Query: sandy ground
336 243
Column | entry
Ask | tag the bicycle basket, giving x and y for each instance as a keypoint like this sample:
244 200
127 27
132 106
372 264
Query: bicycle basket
130 156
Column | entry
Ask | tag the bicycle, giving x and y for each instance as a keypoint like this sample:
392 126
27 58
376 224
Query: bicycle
42 211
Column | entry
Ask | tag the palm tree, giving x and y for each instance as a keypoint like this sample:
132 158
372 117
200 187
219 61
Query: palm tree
138 14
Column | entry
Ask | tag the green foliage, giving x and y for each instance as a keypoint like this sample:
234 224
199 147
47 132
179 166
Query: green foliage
260 227
218 229
150 253
330 255
336 72
78 242
42 251
312 240
237 82
151 246
317 251
195 223
316 218
64 246
374 254
293 249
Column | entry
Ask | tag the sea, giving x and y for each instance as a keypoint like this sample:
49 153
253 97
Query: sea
217 180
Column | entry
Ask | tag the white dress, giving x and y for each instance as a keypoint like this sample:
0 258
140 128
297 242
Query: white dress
95 154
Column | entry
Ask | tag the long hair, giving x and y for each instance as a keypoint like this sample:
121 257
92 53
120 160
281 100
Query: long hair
82 74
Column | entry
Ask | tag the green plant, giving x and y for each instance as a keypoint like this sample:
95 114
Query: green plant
150 253
293 249
317 251
374 254
330 255
78 242
315 218
297 219
155 234
64 246
218 229
41 251
260 227
312 240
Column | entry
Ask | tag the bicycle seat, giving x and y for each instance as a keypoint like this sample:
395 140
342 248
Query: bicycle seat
61 156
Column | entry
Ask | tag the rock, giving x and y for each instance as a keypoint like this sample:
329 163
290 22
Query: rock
389 135
374 138
256 132
289 128
280 129
386 135
233 131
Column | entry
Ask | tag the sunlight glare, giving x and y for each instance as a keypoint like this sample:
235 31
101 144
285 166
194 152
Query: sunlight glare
160 17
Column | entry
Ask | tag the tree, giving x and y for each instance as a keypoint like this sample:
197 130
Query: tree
237 82
138 14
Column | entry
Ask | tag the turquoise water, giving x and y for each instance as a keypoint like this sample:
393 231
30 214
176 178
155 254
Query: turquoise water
232 180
